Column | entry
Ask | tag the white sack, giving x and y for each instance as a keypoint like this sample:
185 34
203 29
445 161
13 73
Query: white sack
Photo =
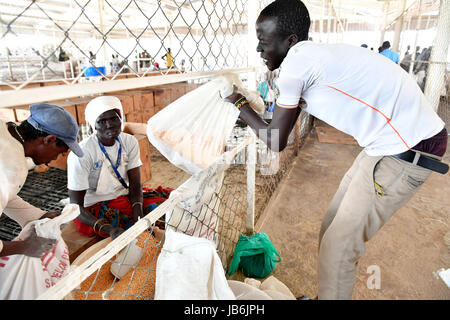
188 268
253 97
191 132
25 278
252 289
245 291
191 214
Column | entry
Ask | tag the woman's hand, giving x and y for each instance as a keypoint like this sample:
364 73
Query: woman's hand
35 246
115 232
138 212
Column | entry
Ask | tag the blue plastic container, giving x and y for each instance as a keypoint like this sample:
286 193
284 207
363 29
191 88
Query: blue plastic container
92 72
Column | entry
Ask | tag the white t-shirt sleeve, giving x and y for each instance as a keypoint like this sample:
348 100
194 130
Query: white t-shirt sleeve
21 211
78 170
134 157
297 74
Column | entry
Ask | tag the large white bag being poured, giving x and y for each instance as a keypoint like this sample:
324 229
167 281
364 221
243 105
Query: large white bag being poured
26 278
191 132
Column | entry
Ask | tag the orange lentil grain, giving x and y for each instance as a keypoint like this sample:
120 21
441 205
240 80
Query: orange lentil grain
137 284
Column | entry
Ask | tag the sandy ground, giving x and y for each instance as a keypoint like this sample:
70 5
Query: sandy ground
408 250
164 173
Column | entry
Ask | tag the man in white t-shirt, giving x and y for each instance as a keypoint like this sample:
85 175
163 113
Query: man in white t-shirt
49 131
106 182
367 96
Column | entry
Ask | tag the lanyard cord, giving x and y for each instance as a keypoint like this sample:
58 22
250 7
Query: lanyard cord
118 160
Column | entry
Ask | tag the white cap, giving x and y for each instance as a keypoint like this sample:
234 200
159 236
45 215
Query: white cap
100 105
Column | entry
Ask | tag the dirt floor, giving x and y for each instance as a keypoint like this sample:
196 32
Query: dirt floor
408 250
164 173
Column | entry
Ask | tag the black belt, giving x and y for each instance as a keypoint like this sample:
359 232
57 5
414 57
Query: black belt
423 161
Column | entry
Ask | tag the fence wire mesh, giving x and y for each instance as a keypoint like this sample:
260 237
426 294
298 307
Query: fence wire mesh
100 39
221 218
96 40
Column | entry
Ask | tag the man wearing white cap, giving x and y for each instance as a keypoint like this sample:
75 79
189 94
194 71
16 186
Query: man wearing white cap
49 131
106 182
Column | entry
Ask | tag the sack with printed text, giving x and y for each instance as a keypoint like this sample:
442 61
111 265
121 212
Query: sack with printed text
25 278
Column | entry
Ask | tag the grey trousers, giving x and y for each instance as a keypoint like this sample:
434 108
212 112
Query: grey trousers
371 191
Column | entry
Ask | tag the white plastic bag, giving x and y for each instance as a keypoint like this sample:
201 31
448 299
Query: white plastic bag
254 98
23 277
191 132
189 268
126 259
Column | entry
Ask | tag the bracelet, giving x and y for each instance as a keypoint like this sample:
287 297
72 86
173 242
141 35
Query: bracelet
137 202
241 98
238 104
100 229
95 224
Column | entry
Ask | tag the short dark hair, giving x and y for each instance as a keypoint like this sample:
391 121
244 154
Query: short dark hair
293 17
31 133
386 45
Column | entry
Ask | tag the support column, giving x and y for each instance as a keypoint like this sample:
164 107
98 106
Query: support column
321 22
437 68
383 26
251 185
418 23
252 43
398 28
328 21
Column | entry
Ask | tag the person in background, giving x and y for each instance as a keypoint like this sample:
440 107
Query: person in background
388 53
106 182
115 64
417 52
406 61
403 138
407 50
49 131
169 58
62 55
183 62
421 67
147 59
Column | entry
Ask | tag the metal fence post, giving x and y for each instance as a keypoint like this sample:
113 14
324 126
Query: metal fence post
251 172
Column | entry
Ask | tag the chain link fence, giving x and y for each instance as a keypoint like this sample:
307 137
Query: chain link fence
226 213
105 40
93 40
230 203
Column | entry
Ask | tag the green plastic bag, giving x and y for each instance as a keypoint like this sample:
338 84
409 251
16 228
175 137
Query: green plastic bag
255 255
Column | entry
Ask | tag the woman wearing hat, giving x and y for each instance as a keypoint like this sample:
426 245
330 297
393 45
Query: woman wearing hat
106 182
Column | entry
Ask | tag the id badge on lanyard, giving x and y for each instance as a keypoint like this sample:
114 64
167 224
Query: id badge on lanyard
118 160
